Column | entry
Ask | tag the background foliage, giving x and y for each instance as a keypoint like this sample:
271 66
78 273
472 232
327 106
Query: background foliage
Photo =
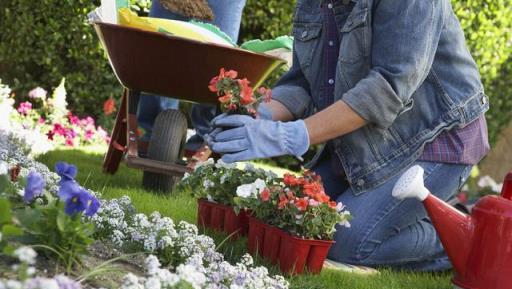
43 41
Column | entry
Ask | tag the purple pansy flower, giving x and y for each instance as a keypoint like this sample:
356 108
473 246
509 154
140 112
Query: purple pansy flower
77 199
35 186
92 206
66 171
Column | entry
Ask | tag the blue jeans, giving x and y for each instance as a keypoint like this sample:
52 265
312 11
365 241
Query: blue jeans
389 232
228 14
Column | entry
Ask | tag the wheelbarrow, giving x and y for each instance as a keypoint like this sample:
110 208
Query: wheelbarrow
170 66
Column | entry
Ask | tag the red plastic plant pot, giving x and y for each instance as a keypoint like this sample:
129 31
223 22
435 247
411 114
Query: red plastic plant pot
232 222
296 254
293 254
271 243
237 225
204 210
256 236
317 254
244 221
217 220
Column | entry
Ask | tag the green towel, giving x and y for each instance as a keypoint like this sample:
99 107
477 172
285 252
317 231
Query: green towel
214 29
258 45
255 45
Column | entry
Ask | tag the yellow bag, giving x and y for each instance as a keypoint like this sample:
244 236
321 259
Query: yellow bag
173 27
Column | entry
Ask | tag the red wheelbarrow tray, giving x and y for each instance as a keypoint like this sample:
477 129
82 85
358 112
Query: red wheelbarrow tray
173 66
166 65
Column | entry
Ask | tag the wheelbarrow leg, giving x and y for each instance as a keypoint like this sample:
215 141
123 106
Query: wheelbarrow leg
117 146
133 138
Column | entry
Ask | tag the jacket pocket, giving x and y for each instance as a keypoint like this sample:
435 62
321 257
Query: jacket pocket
306 36
355 43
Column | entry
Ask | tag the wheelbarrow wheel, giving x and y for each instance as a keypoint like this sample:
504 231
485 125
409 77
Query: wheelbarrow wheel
166 144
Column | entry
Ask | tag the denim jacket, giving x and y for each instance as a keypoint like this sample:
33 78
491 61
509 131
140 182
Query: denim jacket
403 66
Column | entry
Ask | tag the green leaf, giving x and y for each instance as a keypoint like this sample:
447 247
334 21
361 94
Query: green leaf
11 231
62 221
8 250
5 211
5 183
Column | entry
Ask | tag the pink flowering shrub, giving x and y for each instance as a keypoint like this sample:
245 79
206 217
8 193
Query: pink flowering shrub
49 116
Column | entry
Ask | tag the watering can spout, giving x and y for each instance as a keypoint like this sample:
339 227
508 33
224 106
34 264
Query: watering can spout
453 227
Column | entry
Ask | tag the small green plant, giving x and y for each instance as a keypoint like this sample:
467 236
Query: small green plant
51 224
219 181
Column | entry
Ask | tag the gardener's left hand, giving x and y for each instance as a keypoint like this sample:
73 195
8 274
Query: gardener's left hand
245 138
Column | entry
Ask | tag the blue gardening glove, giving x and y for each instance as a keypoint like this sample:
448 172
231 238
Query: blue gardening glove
264 112
245 138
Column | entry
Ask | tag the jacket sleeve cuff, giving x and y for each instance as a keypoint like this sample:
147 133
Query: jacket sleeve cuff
374 100
294 98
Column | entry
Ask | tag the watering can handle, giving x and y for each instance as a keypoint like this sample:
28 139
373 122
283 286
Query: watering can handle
411 184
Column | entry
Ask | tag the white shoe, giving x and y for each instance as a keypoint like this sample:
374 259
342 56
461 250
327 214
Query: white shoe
333 265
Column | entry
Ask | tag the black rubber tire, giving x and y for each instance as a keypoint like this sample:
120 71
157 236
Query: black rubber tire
166 144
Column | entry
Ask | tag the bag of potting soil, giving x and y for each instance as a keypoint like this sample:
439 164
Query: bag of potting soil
205 32
173 27
280 47
109 8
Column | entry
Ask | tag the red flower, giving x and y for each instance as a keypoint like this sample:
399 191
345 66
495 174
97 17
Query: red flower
292 180
109 106
312 189
322 198
302 204
229 74
265 195
282 201
332 204
222 74
266 93
226 98
246 92
14 173
213 84
50 135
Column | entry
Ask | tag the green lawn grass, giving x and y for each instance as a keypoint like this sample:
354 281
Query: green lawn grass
181 206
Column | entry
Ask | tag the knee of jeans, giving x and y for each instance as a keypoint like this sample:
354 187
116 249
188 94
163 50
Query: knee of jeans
353 246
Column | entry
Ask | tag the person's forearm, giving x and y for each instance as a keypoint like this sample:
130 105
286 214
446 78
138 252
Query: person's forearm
279 111
336 120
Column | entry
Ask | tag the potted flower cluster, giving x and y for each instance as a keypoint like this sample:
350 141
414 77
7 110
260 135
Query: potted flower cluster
214 185
236 96
293 222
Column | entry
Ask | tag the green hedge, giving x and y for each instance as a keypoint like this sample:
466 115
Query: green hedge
43 41
488 28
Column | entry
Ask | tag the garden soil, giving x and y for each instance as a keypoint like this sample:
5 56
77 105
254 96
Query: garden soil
197 9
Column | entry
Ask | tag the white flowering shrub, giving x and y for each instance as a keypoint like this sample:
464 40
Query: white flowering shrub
190 259
177 246
25 271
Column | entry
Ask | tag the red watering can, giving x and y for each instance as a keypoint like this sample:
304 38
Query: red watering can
479 246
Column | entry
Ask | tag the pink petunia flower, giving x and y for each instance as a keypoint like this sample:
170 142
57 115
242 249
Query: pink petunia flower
25 107
37 93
